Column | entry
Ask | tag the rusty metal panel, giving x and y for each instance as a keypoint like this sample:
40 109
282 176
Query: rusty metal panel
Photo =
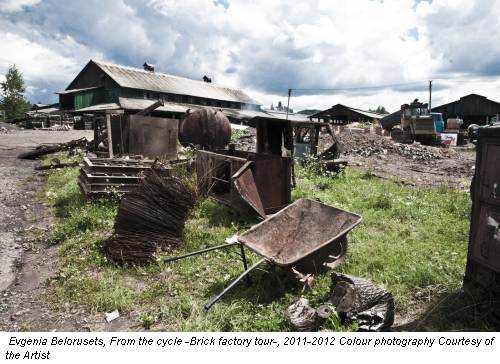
293 234
483 264
152 136
273 179
245 184
487 242
271 175
490 176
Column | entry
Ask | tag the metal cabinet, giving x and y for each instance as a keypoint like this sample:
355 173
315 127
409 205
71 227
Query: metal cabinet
483 263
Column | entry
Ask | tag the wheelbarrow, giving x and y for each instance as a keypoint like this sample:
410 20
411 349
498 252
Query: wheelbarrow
304 234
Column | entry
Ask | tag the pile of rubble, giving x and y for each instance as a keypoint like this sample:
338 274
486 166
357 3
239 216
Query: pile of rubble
367 145
6 128
246 141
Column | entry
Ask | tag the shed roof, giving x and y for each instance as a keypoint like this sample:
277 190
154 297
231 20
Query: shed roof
180 108
328 112
160 82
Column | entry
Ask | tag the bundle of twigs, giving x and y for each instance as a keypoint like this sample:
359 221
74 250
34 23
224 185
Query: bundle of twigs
151 219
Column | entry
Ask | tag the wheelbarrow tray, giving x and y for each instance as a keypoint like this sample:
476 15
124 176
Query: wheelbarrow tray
298 231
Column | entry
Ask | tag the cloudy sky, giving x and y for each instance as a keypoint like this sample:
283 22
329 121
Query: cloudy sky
328 51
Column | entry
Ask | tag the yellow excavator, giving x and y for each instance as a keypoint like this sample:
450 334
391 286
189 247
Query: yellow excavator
418 124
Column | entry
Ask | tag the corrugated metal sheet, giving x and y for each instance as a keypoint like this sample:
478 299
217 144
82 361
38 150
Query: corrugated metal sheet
160 82
334 110
291 116
49 110
370 114
174 107
101 107
76 90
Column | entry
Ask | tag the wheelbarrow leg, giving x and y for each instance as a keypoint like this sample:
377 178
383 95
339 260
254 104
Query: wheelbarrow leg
245 265
232 284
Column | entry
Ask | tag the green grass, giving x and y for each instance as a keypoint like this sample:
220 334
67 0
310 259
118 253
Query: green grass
412 240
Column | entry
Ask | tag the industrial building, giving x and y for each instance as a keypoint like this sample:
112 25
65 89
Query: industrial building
341 114
472 109
106 86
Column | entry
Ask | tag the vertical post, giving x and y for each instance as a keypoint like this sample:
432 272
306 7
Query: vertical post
430 95
290 131
110 139
96 133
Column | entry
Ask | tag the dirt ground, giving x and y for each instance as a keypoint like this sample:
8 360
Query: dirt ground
26 261
412 164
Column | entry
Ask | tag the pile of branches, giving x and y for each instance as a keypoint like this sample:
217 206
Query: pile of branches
151 219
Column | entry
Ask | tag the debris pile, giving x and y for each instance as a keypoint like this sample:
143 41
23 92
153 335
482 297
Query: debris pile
304 318
150 219
359 300
355 300
366 145
246 141
6 128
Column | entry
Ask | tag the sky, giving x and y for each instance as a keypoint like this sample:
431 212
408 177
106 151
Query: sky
362 53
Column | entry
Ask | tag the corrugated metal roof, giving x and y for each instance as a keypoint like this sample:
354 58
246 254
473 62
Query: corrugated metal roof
370 114
140 104
72 91
326 112
48 110
160 82
175 107
291 116
100 107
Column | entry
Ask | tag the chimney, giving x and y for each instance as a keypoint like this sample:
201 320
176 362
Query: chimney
148 67
207 79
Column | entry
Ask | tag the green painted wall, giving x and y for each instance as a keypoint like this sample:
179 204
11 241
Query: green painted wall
88 98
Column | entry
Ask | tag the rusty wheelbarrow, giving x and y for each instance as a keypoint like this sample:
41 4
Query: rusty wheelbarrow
303 234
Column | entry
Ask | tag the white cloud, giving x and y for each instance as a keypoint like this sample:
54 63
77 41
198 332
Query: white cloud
268 46
11 6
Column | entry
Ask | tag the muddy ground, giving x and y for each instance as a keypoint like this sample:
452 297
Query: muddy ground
26 260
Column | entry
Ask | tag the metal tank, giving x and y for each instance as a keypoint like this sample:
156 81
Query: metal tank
207 128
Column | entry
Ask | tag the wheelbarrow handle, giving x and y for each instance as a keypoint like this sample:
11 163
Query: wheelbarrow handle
233 283
226 245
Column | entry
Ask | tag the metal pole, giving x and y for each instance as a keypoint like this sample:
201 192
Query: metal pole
226 245
233 283
290 132
430 95
288 102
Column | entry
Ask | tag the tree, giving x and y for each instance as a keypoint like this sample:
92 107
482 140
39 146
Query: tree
13 101
380 110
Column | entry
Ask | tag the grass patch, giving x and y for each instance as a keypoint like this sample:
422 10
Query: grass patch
412 240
